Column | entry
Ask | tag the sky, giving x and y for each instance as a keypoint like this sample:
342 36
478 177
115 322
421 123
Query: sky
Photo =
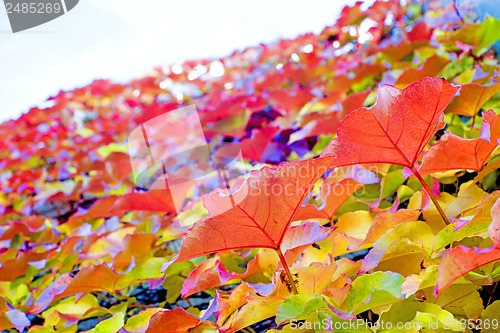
125 39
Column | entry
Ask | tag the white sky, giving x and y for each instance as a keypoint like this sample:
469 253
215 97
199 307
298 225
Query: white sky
123 39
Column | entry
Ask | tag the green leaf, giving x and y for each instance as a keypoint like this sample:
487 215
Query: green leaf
490 318
414 313
478 224
460 300
299 307
407 241
111 325
373 290
140 322
319 314
482 35
391 182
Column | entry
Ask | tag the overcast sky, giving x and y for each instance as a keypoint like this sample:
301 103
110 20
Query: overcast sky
123 39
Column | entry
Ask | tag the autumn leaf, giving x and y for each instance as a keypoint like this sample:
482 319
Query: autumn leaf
454 153
172 321
253 147
209 274
420 31
396 128
337 188
431 67
91 278
404 248
472 98
372 290
481 36
154 200
460 260
261 217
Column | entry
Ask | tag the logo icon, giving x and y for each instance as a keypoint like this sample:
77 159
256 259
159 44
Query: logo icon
170 153
26 14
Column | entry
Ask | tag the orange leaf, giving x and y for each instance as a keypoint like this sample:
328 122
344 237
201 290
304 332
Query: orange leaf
137 246
431 67
91 278
472 98
461 260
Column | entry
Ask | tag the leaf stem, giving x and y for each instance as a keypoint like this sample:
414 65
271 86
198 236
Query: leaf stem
287 270
492 294
433 197
473 122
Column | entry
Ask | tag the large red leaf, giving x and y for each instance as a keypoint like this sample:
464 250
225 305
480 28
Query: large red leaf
396 128
257 215
453 152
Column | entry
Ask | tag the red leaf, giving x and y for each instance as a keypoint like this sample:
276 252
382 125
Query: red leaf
453 152
100 208
209 274
336 189
396 128
152 201
353 102
254 147
420 31
264 209
19 265
172 321
461 260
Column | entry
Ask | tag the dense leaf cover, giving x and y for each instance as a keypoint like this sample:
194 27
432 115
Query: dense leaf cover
381 135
